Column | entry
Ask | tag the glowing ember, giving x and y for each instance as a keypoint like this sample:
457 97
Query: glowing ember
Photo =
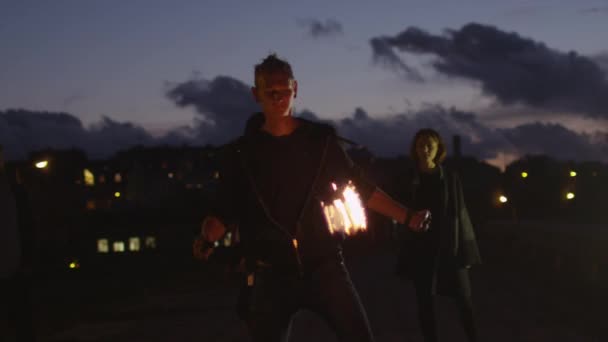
346 213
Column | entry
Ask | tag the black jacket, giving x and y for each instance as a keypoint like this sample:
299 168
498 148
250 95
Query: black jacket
244 201
456 247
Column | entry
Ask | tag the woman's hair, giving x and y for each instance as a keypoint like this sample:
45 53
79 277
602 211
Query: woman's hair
430 133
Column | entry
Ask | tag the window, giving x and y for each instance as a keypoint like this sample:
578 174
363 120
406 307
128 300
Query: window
134 245
89 177
91 205
103 246
117 178
118 246
150 242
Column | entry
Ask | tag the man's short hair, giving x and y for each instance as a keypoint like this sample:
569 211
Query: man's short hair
270 65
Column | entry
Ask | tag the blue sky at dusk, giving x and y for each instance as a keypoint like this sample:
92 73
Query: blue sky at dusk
512 77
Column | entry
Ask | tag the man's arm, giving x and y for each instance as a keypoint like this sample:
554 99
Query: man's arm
212 229
383 204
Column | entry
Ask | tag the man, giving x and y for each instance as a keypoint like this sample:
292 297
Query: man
274 179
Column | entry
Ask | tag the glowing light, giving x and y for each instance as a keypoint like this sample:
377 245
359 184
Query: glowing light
572 173
89 177
103 246
150 242
524 174
118 246
134 244
117 178
74 265
570 196
42 164
117 194
346 213
170 175
503 199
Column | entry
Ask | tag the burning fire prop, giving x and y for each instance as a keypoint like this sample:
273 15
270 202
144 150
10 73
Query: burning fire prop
345 213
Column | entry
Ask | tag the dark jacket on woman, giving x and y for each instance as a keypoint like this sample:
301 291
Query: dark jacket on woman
449 247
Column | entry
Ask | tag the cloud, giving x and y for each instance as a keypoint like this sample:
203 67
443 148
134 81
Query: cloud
222 105
23 131
511 68
595 10
228 103
317 29
391 135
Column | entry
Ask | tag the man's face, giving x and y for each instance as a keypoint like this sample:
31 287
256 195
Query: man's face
275 93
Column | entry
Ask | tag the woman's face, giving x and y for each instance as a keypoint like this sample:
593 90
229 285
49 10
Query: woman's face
426 149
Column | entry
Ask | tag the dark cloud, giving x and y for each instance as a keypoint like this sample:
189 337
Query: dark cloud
602 60
223 105
388 136
595 10
512 68
23 131
317 29
391 135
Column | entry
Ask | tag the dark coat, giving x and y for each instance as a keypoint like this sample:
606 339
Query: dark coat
455 247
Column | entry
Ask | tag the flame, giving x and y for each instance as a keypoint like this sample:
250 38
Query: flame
345 213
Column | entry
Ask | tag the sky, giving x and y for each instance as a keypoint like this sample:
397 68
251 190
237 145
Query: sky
511 77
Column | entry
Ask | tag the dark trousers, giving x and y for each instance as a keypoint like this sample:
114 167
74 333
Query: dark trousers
423 283
16 323
270 304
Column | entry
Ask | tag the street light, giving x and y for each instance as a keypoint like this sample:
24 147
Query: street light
572 173
41 164
570 196
524 174
503 199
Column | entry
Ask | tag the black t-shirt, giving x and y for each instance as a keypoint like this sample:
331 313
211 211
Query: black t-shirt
284 169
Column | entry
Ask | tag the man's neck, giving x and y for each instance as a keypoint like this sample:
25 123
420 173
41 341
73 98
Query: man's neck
284 125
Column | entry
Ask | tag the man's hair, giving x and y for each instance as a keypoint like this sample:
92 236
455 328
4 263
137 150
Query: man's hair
272 64
429 133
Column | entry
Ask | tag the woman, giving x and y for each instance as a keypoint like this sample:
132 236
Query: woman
438 260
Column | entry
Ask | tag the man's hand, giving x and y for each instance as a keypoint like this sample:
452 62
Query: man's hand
419 221
212 229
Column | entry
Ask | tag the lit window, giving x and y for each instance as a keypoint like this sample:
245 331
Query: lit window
228 239
102 179
118 246
91 205
134 244
117 177
150 242
89 177
103 246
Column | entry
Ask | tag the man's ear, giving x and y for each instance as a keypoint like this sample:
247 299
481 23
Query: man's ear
254 92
